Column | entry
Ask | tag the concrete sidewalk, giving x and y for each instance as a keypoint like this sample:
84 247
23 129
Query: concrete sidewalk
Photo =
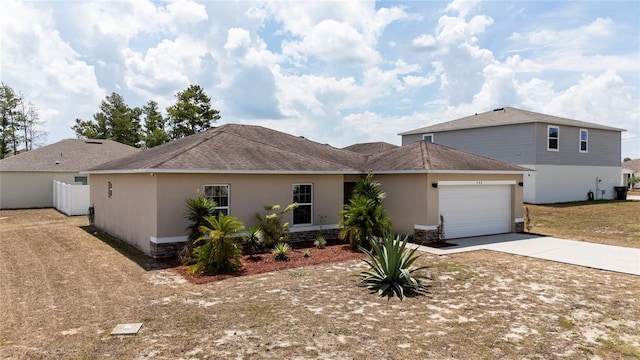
597 256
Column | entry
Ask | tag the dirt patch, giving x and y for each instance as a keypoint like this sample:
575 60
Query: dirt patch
63 290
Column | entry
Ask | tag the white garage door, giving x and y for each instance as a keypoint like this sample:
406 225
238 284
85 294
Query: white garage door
475 210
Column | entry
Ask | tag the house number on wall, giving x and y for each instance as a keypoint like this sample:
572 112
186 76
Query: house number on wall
478 182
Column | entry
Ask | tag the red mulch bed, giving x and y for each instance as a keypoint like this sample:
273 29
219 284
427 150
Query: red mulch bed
265 263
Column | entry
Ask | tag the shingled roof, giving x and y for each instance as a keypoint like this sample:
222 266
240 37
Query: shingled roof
69 155
236 148
421 156
633 165
505 116
370 148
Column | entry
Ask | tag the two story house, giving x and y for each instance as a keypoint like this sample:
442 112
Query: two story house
570 160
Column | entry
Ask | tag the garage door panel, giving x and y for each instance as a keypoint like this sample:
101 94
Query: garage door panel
475 210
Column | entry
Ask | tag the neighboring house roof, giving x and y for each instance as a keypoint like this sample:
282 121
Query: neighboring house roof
421 156
67 155
246 148
370 148
505 116
633 165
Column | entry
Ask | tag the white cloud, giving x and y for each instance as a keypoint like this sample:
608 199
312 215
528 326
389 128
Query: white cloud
332 41
164 69
424 41
462 7
40 64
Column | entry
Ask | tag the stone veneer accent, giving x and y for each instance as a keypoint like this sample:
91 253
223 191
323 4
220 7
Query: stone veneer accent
424 236
168 250
520 227
302 236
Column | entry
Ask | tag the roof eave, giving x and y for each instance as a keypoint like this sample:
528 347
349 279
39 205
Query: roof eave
217 171
509 172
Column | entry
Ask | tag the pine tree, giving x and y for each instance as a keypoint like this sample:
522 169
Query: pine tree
192 113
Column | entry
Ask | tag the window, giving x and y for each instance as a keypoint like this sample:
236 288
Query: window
109 189
553 137
584 138
80 180
303 196
428 138
219 194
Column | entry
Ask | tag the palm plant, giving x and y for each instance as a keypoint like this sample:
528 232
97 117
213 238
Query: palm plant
369 188
219 249
361 220
197 209
392 271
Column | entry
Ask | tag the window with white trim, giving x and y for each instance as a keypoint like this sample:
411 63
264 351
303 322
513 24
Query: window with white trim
427 138
553 138
584 139
220 195
303 196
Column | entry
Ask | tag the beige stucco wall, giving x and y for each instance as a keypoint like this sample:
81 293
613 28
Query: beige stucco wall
411 200
247 196
144 206
20 190
407 200
131 212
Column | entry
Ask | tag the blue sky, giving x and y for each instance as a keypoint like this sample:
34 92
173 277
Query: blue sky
334 72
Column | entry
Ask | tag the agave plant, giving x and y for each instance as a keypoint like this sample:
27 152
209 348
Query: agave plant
392 271
219 249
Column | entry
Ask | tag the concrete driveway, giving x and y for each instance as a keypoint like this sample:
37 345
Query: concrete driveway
598 256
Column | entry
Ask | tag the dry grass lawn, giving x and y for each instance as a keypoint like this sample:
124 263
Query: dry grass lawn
62 291
605 222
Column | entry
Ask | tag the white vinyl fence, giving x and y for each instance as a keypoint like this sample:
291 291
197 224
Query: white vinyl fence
71 199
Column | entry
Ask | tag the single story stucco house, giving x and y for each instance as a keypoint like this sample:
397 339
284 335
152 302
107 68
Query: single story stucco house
26 179
141 198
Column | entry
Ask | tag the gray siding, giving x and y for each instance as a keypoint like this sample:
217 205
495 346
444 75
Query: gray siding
526 144
603 147
408 139
514 144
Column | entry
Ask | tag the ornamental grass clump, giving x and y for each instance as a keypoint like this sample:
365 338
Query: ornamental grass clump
392 271
281 251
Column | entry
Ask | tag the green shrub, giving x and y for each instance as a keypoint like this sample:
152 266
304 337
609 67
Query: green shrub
271 224
197 209
370 189
391 269
218 250
320 242
306 253
281 251
362 220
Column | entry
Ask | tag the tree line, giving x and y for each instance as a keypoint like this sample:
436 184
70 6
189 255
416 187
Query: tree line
146 127
20 124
